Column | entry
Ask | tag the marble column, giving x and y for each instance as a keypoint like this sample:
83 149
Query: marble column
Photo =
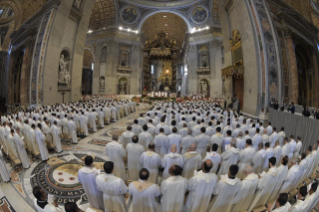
10 100
97 69
111 67
292 65
136 71
24 71
316 80
192 61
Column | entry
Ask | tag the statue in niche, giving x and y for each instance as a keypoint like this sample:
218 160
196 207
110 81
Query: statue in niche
64 74
123 59
204 61
103 57
102 83
77 3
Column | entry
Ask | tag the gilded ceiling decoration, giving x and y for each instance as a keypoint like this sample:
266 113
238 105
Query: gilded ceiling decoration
172 24
162 3
103 14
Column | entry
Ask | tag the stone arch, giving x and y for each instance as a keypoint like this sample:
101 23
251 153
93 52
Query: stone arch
88 58
189 26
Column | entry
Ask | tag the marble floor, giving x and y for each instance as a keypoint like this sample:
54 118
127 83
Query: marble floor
58 176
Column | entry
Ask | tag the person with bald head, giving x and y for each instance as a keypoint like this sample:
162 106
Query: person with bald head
151 161
247 190
200 188
173 190
170 159
192 161
174 139
225 191
245 158
214 157
229 157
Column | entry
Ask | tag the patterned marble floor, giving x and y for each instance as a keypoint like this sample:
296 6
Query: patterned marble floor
57 176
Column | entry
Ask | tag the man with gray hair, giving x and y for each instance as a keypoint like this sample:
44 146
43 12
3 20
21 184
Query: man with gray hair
229 157
187 141
116 152
192 161
247 190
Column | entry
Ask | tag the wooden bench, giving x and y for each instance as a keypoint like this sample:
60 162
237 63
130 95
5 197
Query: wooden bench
259 209
96 210
308 181
292 193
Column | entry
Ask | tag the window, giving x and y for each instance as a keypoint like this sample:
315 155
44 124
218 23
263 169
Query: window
182 70
152 69
92 67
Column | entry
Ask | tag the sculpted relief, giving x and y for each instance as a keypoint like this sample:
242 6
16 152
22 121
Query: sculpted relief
64 78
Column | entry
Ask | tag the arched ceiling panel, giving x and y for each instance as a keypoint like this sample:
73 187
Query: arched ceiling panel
170 23
103 14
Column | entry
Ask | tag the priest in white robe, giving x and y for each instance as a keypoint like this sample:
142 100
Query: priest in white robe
33 141
229 157
248 187
151 161
145 193
245 158
87 177
40 138
134 152
192 162
202 141
214 157
116 152
72 131
187 141
273 138
113 189
101 118
92 120
280 204
145 138
173 190
21 149
278 153
84 124
217 139
55 130
136 128
282 171
12 148
290 178
298 147
225 191
302 203
200 189
126 136
3 169
269 154
161 143
170 159
265 185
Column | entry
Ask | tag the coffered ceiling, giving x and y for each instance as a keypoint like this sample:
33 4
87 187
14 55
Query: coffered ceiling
103 14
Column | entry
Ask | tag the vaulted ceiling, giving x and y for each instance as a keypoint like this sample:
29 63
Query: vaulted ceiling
103 14
170 23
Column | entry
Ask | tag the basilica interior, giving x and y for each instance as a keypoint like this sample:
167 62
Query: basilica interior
248 54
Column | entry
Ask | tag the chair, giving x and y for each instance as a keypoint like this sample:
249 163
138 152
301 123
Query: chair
307 181
292 193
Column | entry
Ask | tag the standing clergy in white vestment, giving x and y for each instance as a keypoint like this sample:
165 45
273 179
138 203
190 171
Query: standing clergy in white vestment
244 198
282 171
187 141
145 138
87 177
92 120
292 147
101 118
266 185
302 203
55 130
116 152
265 137
40 138
134 152
225 191
245 158
298 147
145 193
174 139
3 169
170 159
21 149
256 139
281 136
214 157
192 162
202 141
278 153
217 139
33 141
273 138
291 177
72 130
173 190
229 157
269 129
269 154
136 128
84 124
113 189
161 143
151 161
127 136
286 147
200 189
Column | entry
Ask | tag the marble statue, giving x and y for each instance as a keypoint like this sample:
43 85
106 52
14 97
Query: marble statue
103 57
77 3
64 74
204 89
